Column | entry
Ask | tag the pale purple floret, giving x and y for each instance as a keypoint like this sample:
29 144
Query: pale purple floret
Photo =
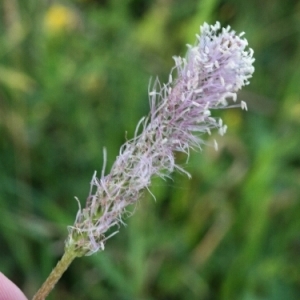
180 112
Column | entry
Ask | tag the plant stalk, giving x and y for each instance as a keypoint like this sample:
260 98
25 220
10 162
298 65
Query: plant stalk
55 275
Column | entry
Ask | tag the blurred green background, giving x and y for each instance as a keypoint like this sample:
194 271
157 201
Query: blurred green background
73 79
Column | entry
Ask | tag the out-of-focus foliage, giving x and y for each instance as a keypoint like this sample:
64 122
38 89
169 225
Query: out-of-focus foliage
74 78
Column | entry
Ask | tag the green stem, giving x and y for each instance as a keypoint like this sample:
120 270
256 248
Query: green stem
55 275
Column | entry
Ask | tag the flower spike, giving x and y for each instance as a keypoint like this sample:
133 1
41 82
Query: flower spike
214 69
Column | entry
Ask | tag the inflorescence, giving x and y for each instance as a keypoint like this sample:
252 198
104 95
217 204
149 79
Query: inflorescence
215 68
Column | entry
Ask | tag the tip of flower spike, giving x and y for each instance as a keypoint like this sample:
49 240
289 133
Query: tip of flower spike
217 25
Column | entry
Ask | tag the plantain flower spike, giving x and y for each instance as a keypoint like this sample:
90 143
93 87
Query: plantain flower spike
214 69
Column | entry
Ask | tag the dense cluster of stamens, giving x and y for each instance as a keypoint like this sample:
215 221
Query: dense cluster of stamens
180 112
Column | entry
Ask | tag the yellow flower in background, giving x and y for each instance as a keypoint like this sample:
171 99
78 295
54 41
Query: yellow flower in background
59 18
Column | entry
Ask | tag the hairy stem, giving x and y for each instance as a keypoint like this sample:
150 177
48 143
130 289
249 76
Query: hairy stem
55 275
